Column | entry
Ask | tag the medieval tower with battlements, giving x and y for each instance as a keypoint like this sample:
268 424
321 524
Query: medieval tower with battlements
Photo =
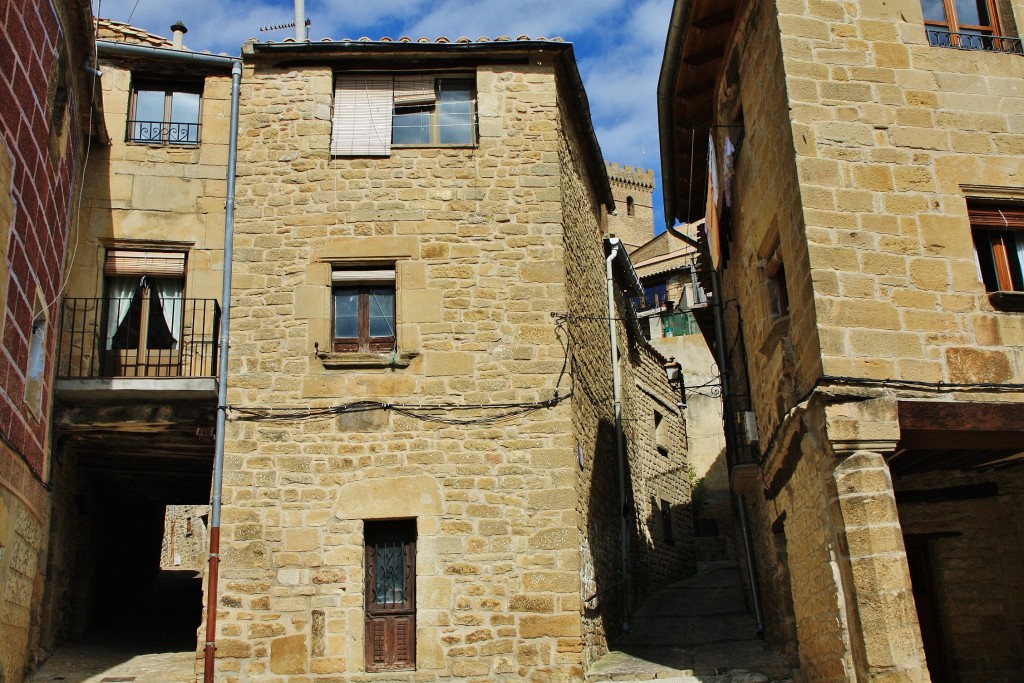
633 189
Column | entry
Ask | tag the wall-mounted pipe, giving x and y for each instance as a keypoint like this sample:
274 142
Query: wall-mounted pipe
627 593
210 646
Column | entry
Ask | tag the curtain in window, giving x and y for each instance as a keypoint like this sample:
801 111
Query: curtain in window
169 298
121 295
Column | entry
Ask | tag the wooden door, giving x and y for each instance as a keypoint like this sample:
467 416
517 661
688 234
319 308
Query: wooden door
390 595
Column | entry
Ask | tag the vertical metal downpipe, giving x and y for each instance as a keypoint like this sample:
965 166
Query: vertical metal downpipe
620 449
210 646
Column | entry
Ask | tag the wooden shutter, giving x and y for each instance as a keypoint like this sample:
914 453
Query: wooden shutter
414 91
126 263
361 125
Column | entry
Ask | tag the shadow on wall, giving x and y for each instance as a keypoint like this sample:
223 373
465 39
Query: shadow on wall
604 533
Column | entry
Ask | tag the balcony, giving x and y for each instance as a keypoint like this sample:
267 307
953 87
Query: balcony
163 132
966 40
140 348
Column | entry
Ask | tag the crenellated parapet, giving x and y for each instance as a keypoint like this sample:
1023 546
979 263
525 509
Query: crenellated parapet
627 175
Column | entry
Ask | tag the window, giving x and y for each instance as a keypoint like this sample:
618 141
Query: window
655 296
662 438
666 522
164 113
998 230
965 24
35 374
373 112
778 294
145 305
364 310
390 591
630 211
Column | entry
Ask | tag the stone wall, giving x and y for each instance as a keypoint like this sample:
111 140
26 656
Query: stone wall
891 136
482 239
633 226
974 559
140 196
43 101
476 235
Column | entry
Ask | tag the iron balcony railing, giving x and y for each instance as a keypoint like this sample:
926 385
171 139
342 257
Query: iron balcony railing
163 132
941 37
109 337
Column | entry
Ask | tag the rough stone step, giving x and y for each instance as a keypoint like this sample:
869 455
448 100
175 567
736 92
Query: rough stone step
690 677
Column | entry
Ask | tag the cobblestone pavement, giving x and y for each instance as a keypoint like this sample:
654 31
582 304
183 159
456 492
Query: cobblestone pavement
110 663
696 631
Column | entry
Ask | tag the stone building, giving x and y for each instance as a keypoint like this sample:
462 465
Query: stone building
632 189
424 469
135 390
862 198
46 121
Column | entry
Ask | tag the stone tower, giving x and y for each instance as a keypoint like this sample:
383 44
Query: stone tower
633 190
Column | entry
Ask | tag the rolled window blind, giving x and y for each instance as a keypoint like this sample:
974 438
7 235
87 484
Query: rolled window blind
361 125
414 91
125 263
374 276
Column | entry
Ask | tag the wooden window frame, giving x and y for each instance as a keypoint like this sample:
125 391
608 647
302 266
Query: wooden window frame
934 29
361 281
361 127
390 633
996 228
169 88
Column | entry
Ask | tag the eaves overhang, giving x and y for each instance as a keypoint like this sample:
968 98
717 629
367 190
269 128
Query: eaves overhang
695 47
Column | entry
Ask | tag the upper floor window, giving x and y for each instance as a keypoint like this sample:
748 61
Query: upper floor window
778 292
998 231
965 24
164 113
372 112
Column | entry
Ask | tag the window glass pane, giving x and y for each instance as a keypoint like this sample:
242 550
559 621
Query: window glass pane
390 577
184 117
346 313
1015 255
382 312
934 10
973 12
455 112
411 126
149 115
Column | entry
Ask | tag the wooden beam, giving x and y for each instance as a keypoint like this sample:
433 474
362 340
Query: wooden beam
709 55
715 20
926 424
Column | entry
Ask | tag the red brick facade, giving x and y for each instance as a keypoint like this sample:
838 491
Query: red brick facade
38 70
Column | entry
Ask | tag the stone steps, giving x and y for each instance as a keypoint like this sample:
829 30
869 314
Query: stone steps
695 631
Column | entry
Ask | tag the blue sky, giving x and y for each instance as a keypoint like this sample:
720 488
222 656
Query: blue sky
618 44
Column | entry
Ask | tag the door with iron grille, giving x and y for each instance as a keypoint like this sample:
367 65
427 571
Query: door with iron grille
390 595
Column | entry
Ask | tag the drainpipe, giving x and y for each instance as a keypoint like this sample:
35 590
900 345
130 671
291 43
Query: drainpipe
619 446
210 646
730 450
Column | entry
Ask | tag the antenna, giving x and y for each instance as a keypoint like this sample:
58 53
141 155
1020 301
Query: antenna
301 34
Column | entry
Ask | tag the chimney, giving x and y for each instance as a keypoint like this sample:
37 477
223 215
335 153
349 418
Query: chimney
179 35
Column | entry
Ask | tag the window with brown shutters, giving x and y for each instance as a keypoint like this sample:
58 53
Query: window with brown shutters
390 589
998 231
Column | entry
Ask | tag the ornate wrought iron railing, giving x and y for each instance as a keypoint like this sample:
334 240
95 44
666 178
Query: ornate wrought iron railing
163 132
941 37
114 338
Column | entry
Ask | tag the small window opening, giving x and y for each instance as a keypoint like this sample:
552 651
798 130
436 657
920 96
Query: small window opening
778 293
666 522
629 206
661 434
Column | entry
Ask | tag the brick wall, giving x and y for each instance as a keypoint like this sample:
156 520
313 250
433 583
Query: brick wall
40 153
